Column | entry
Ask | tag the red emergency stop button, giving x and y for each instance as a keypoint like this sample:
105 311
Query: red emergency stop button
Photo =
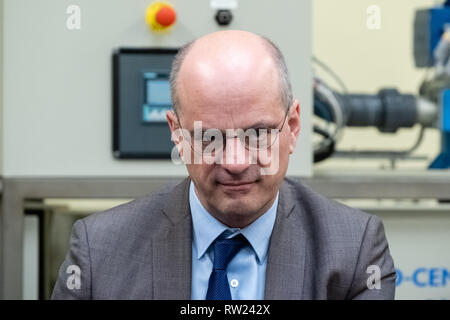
160 16
166 16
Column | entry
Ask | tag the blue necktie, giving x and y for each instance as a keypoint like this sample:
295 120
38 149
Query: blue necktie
224 251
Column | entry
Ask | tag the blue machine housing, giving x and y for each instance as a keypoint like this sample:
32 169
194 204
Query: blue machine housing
438 18
428 28
442 161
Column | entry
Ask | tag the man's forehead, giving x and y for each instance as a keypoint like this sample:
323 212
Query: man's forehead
211 83
243 120
222 106
234 69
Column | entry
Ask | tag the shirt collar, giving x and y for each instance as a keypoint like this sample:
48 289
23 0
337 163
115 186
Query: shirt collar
207 228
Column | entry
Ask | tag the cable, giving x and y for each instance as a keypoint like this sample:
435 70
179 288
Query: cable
326 148
330 71
336 107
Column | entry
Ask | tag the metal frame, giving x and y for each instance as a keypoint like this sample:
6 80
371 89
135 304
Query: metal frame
435 185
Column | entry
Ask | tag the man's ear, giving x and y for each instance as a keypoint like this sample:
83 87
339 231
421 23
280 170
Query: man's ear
175 130
294 125
172 120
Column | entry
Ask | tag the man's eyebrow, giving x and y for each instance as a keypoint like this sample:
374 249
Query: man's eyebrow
206 129
262 124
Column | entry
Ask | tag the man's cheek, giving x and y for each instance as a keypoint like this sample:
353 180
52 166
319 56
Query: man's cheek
269 160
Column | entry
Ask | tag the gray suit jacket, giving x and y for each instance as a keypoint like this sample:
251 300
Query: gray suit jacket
319 249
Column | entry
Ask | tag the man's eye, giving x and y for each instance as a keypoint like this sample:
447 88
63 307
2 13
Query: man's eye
253 133
261 133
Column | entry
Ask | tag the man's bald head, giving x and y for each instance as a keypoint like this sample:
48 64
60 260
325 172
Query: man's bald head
230 51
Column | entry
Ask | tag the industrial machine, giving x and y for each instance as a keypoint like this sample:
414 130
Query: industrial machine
432 50
390 110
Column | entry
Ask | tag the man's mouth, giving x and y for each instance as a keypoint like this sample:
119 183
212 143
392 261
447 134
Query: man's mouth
235 186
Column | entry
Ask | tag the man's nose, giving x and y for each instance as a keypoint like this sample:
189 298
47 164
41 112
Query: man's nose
236 158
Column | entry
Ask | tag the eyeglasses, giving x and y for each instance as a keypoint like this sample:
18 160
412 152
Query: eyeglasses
211 140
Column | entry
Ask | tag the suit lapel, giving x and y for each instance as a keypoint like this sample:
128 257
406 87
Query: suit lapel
172 248
287 251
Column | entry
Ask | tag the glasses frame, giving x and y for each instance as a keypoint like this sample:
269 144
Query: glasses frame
245 146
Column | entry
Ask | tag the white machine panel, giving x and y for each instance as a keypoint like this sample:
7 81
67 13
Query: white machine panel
57 80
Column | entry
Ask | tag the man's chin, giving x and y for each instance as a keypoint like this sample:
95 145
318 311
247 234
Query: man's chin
236 207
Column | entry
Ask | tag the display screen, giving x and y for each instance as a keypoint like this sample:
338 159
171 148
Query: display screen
157 97
158 92
141 100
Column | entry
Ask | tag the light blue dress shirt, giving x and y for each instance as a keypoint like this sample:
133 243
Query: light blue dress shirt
247 271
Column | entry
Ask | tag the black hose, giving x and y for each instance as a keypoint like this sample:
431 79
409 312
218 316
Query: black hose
327 146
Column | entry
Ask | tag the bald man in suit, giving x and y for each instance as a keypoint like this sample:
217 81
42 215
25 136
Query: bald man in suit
237 227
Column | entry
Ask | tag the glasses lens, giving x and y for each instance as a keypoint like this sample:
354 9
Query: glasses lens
212 140
260 139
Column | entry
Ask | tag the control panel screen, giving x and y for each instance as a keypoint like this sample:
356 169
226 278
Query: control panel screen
141 99
157 97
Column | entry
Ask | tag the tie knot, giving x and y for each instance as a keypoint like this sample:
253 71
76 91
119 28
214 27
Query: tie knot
226 249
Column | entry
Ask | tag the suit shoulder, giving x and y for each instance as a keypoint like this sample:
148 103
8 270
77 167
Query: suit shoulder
143 213
327 213
341 242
